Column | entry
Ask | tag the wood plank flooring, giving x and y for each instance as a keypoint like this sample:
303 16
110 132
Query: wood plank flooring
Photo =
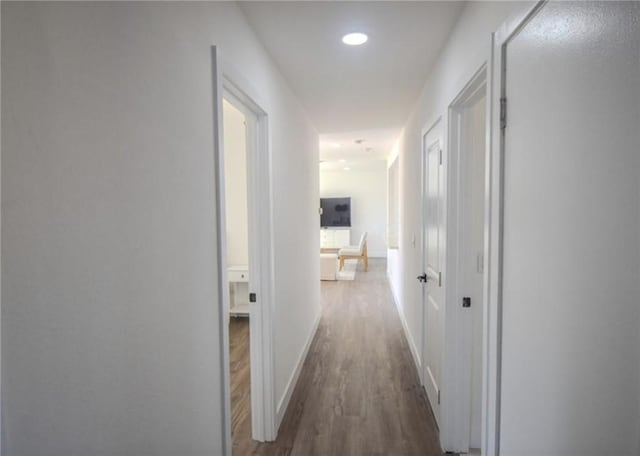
240 373
358 392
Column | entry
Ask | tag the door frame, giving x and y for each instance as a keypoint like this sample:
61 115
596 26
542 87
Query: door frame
458 321
229 83
494 182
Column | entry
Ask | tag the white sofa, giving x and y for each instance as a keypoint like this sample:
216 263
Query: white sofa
328 266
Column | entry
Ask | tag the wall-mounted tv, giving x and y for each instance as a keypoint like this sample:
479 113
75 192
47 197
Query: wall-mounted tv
335 212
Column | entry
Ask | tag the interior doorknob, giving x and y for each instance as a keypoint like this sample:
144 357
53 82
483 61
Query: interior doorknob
422 277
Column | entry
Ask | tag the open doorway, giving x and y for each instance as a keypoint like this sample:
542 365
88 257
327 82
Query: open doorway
353 202
246 269
472 250
465 287
237 235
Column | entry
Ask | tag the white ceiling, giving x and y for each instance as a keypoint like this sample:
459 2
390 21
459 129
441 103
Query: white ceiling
343 146
351 89
353 166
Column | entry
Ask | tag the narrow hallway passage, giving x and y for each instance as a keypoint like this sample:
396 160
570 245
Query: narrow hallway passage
358 392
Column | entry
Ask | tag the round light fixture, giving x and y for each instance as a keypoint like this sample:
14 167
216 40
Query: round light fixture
346 168
355 39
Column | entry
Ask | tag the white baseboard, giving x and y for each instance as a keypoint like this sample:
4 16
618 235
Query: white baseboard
415 354
293 380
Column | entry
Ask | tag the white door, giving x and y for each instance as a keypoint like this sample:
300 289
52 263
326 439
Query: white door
571 250
432 250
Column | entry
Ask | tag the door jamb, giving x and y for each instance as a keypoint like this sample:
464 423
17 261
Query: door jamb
494 182
230 84
455 429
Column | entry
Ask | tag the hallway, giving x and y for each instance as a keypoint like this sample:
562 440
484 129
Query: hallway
358 392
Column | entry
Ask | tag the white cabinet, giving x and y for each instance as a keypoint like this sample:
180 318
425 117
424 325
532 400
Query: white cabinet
334 238
238 277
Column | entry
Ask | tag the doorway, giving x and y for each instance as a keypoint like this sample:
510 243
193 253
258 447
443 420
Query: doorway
466 263
245 263
248 268
237 256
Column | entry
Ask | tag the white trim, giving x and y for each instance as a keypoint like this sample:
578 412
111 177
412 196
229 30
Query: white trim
458 336
432 379
493 232
293 380
492 270
415 354
1 388
221 245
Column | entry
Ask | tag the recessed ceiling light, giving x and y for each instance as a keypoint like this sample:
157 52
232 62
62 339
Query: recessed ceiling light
346 168
355 39
343 161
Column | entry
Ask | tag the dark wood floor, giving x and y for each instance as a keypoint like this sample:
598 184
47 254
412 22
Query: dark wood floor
358 392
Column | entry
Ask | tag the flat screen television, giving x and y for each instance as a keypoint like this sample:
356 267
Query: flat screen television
335 212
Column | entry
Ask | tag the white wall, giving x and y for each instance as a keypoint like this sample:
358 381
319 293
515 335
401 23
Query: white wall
571 257
468 47
368 191
109 319
235 174
565 431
